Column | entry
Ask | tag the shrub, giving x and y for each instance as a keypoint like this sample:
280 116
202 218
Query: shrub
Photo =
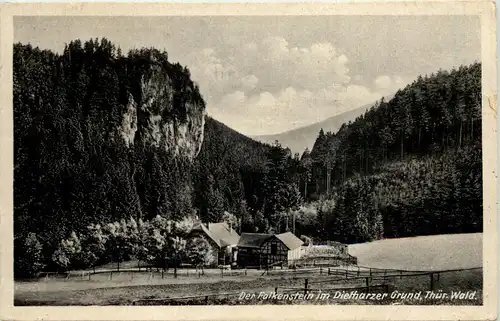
28 256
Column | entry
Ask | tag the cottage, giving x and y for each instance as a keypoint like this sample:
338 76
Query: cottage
294 245
264 250
249 249
222 238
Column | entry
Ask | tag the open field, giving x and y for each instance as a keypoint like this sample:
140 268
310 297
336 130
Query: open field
106 292
429 253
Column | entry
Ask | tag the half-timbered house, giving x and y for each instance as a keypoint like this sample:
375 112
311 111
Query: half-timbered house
264 250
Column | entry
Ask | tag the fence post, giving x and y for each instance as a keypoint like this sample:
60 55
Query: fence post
320 270
370 272
276 290
328 271
111 275
245 271
367 284
206 299
306 281
358 270
346 273
432 281
89 276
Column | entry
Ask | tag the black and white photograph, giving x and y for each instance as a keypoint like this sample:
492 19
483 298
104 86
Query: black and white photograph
235 160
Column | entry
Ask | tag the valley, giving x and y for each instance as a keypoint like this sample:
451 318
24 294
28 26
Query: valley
116 162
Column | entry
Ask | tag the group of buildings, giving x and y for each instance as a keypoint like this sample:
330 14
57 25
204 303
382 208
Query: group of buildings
250 250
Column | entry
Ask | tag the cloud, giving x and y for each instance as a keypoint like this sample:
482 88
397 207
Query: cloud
269 113
389 83
272 62
272 86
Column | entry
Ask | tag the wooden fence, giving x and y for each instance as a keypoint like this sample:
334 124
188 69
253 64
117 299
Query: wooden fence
347 272
203 299
373 280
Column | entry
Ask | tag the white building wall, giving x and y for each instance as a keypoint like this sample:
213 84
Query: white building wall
295 254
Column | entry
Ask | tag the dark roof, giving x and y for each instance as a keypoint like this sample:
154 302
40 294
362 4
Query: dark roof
223 232
256 240
290 240
253 239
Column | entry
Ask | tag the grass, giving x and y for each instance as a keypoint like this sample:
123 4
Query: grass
427 253
58 292
119 292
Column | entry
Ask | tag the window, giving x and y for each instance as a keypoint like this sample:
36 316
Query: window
274 249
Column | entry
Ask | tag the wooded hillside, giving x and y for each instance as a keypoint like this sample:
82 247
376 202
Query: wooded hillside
97 139
409 166
72 166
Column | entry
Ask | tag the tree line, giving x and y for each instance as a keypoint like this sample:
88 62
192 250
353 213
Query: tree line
257 182
409 166
434 114
159 243
73 167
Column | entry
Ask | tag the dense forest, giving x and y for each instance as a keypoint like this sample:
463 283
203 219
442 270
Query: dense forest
74 167
408 166
432 115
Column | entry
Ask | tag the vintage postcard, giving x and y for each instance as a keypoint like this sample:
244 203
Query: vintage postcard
249 161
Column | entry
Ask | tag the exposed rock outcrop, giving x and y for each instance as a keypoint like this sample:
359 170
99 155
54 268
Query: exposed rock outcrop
164 115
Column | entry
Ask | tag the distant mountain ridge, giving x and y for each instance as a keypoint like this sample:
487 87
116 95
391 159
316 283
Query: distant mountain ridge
304 137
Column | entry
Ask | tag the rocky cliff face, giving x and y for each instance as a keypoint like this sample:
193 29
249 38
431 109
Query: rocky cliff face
164 116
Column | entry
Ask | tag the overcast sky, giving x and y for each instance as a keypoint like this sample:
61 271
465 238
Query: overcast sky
265 75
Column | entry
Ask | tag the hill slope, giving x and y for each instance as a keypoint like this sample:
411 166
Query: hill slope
410 166
422 252
228 172
433 115
301 138
100 137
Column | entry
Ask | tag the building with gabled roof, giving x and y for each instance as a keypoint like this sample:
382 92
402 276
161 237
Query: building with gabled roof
264 250
222 238
253 250
223 232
